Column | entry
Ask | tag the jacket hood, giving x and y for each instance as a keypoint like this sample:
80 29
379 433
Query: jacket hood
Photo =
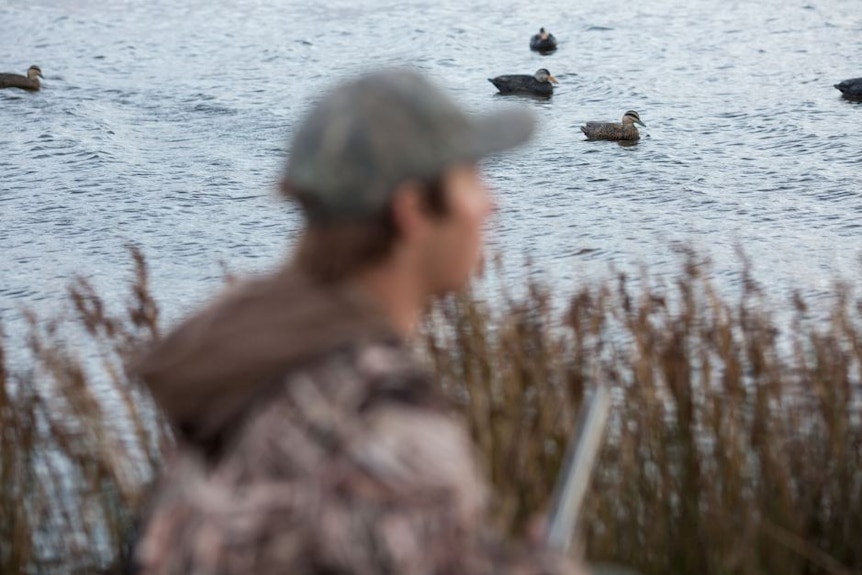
210 368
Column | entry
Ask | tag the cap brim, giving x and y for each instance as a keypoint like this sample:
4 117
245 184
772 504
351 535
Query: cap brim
501 131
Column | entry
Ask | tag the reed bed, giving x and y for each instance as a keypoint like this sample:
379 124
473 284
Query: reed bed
734 444
79 441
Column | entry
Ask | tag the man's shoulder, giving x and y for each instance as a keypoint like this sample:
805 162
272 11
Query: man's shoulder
368 374
368 411
373 407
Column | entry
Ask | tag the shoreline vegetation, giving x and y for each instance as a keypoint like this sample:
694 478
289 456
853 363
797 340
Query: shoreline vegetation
734 443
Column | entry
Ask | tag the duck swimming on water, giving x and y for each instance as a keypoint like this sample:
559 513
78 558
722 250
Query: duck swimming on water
539 84
543 42
613 131
851 89
28 82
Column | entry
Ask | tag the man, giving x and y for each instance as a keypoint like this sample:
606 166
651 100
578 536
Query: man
308 439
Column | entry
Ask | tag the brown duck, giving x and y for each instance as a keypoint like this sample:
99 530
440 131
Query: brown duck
613 131
28 82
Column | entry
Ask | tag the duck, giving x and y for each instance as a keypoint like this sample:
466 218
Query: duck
543 42
625 130
28 82
851 89
539 84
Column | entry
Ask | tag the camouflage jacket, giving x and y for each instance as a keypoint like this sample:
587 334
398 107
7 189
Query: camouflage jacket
348 463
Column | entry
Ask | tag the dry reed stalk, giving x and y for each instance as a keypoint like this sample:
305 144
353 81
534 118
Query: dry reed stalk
720 437
735 442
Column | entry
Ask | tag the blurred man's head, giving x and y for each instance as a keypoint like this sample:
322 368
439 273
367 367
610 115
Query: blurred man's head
385 170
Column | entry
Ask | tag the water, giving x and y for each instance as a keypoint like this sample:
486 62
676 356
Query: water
164 124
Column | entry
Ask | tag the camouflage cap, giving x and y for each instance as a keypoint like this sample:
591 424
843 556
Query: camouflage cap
372 133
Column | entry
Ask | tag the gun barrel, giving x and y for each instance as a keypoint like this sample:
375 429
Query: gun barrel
574 478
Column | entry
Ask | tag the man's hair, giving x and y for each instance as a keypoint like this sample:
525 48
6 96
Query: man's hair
331 250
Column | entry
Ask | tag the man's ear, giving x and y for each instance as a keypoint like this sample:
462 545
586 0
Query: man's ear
408 211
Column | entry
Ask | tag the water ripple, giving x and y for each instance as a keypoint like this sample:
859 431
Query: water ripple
166 123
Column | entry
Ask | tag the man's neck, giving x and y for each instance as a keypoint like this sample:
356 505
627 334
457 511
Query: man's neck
398 293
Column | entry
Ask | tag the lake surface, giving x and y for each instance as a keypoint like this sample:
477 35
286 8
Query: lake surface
164 124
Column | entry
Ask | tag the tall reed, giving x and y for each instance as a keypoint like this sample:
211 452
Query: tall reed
735 442
78 440
734 445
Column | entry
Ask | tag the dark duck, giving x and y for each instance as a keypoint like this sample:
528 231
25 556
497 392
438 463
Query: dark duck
539 84
851 89
28 82
543 42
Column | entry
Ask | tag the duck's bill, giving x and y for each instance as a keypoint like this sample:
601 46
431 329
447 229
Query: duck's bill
552 79
641 123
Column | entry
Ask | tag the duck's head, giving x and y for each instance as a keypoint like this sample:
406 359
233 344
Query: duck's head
542 75
543 34
632 117
34 71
